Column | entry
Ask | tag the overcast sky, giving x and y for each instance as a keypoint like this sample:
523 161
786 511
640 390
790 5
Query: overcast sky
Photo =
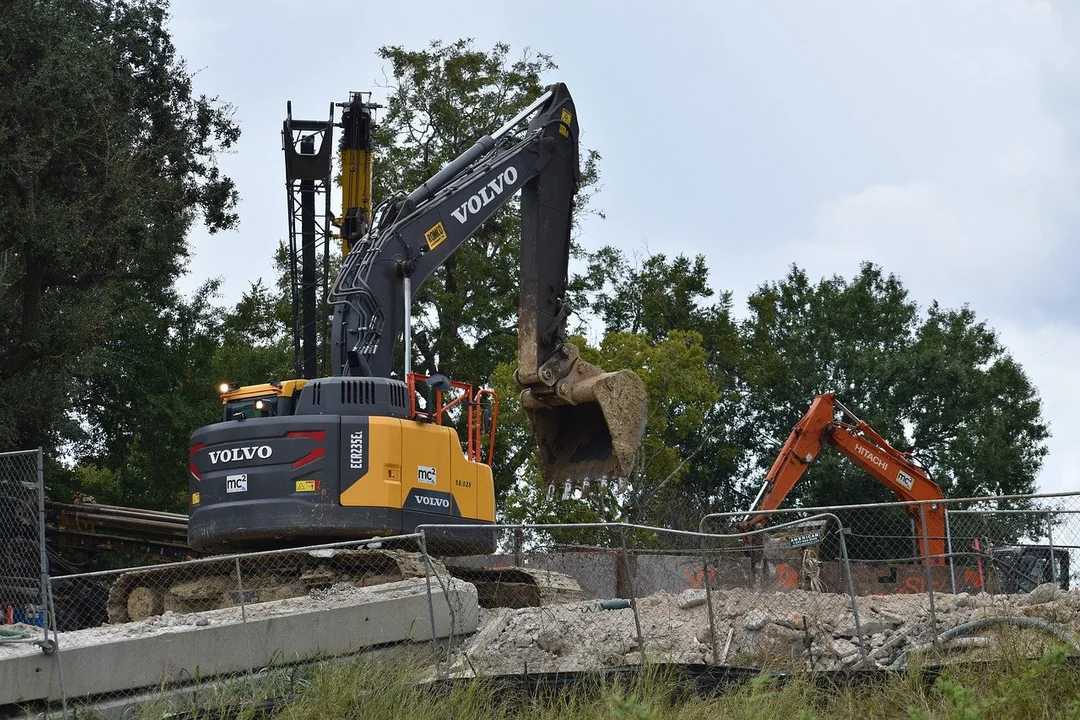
938 140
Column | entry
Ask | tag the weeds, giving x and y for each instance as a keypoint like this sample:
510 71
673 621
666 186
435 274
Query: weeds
389 687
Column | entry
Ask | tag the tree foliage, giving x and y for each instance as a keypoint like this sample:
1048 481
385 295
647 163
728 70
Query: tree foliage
106 158
940 383
661 320
140 417
660 300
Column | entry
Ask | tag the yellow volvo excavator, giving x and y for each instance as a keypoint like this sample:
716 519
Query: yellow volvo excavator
350 456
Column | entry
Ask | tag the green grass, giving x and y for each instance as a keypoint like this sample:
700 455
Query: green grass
386 687
1009 688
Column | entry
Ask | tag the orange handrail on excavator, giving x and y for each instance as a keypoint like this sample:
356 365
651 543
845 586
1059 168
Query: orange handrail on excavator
861 444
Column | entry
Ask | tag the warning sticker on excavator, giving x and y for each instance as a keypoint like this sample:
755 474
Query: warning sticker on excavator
904 479
307 485
435 235
195 498
566 117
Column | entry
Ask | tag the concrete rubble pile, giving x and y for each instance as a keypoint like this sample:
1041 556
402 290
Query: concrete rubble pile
815 631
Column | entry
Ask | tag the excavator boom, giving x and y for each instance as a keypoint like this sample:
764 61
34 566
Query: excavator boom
587 423
860 443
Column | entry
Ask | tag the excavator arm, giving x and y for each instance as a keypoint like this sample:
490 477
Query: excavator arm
860 443
587 423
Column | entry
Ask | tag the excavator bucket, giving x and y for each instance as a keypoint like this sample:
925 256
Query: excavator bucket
593 428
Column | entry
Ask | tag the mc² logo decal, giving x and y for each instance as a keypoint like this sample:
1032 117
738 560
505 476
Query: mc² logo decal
262 452
426 475
904 479
486 195
236 483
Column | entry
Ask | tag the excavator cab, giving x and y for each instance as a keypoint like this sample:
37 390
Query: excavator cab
258 401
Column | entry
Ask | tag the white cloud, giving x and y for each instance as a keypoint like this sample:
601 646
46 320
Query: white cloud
1048 355
967 210
971 198
987 246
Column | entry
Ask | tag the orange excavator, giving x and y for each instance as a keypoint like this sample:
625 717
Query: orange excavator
861 444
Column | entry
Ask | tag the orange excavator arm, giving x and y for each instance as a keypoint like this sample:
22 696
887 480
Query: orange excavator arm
860 443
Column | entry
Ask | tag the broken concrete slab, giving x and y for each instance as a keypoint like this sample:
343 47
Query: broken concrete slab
177 648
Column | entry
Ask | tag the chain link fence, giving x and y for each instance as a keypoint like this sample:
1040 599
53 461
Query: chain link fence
24 599
228 630
817 589
572 597
934 576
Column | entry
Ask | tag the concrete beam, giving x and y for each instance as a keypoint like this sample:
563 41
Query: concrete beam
123 658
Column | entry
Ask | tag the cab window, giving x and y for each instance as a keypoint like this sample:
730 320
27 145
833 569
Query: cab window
246 408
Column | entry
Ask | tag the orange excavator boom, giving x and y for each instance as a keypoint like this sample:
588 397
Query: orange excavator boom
860 443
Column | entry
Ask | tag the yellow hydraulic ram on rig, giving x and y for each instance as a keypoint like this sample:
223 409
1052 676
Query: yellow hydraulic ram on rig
350 456
307 145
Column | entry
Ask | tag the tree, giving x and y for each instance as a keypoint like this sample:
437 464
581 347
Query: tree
654 296
940 384
975 416
141 414
106 158
256 336
660 320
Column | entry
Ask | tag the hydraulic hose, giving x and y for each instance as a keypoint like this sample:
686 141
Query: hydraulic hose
976 625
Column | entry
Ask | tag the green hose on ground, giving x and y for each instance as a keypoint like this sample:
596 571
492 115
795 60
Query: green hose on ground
13 634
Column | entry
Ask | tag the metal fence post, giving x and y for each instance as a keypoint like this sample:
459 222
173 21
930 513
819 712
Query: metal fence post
633 600
519 544
708 598
948 547
846 564
1050 542
47 604
929 577
430 570
240 588
42 553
